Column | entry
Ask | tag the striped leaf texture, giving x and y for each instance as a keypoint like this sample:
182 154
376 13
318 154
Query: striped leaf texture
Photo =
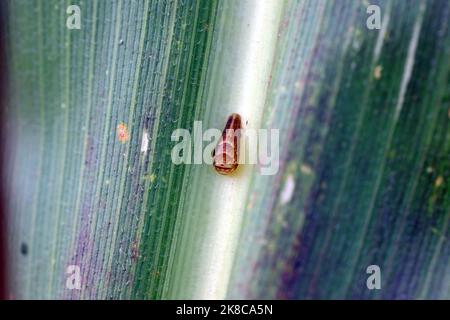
363 175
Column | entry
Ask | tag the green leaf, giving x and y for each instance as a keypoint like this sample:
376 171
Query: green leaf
364 172
364 147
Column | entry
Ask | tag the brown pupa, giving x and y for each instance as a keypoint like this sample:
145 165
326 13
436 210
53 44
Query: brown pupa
225 155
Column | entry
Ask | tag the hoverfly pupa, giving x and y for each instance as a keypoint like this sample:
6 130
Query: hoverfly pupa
225 155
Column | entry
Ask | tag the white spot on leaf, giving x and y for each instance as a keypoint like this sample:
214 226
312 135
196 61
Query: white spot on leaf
144 143
288 190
